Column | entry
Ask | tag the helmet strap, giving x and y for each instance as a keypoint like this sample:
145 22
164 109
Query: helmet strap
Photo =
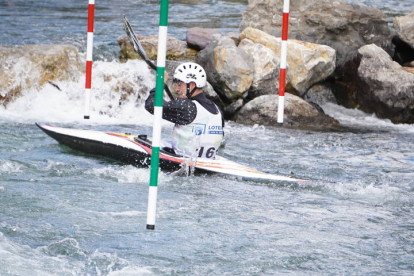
190 93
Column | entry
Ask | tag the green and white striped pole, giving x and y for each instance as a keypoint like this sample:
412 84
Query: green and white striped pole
156 130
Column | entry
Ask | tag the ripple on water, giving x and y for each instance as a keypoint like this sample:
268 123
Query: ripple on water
9 167
62 257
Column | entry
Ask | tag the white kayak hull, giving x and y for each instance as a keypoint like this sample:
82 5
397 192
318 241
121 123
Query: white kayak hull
136 150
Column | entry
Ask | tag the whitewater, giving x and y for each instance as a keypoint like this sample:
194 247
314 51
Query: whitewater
67 213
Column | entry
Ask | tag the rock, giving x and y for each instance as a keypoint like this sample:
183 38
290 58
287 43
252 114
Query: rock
320 94
404 27
308 63
229 69
266 69
377 84
403 54
212 95
199 38
126 49
298 113
409 69
26 67
231 110
176 49
342 26
404 38
235 37
385 87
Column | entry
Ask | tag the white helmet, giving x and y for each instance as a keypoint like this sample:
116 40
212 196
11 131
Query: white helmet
189 72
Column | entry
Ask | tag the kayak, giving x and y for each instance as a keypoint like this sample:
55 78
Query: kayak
136 150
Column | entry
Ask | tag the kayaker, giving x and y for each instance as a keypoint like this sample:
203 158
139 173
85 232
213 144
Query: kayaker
199 122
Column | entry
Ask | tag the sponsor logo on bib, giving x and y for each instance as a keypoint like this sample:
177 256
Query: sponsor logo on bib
215 130
199 129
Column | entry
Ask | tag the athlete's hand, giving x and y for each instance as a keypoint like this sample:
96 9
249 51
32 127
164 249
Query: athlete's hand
166 77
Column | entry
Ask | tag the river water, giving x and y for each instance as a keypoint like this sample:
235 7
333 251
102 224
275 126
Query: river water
66 213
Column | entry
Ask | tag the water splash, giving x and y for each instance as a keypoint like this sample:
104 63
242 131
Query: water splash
8 167
359 119
118 90
126 174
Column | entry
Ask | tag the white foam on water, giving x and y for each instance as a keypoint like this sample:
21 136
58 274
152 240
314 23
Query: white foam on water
16 259
118 90
374 193
358 118
63 257
132 271
7 166
127 174
126 214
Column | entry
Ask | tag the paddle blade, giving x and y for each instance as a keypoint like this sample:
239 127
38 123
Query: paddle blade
140 50
135 42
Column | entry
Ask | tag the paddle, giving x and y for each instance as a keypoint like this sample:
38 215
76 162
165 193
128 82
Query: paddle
141 52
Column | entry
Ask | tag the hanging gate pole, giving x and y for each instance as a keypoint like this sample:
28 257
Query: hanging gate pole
156 131
283 62
89 48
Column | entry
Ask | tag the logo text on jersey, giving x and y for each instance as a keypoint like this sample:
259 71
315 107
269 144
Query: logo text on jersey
215 130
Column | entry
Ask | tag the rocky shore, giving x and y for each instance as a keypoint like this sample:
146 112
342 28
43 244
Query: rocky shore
338 52
24 67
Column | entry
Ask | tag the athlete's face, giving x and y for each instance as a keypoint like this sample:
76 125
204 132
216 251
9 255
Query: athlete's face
181 89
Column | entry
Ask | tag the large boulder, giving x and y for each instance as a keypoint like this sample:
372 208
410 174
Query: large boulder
379 85
404 27
266 69
263 110
385 87
25 67
199 38
308 63
176 49
404 38
229 69
344 27
320 94
212 95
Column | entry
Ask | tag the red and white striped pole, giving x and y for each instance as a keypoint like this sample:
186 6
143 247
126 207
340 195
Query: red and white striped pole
283 62
89 49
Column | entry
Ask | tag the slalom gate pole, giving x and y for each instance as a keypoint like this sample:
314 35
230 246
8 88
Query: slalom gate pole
89 49
283 62
156 131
